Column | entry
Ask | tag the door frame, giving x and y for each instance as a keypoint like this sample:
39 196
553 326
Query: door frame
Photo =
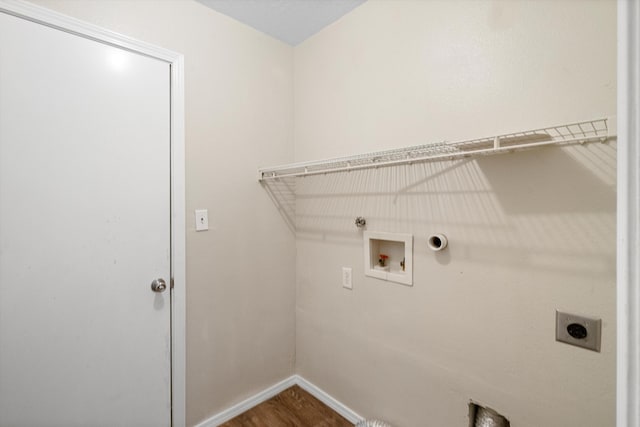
175 60
628 216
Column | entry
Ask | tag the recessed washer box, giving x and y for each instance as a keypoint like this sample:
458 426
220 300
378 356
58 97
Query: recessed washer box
389 256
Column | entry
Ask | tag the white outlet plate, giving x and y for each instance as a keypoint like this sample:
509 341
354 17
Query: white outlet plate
590 326
202 219
347 277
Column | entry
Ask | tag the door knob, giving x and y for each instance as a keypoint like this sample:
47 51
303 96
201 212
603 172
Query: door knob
158 285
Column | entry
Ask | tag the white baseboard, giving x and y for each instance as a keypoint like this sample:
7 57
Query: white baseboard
245 405
328 400
268 393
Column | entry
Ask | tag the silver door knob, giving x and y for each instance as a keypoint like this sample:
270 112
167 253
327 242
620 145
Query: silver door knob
158 285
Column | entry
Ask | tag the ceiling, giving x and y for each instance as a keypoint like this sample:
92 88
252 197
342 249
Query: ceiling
291 21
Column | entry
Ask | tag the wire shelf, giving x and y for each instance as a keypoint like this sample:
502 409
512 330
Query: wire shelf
573 133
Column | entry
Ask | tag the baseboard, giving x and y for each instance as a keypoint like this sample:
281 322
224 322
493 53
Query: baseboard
245 405
328 400
268 393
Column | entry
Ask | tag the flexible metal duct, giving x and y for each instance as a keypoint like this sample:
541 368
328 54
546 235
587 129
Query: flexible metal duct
372 423
485 417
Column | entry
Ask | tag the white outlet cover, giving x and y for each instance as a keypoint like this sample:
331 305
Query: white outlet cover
347 277
202 219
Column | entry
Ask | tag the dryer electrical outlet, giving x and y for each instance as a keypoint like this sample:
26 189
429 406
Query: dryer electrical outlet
578 330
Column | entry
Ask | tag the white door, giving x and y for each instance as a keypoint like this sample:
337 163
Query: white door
84 230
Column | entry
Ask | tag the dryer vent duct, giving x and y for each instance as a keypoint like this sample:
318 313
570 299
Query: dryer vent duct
372 423
479 416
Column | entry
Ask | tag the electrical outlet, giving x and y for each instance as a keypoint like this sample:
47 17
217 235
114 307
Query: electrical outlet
577 330
202 219
346 278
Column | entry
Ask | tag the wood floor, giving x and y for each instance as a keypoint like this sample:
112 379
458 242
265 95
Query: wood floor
293 407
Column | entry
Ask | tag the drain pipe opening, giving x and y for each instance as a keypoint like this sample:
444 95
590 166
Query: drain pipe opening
437 242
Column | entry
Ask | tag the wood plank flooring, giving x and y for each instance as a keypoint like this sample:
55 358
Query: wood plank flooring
294 407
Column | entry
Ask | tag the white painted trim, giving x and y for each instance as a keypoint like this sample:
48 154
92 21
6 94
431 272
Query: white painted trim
70 25
628 259
258 398
329 400
245 405
178 249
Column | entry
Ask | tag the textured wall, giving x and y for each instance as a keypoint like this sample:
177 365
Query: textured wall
240 282
529 232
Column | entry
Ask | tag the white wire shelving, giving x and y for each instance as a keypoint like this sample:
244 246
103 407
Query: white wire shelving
598 130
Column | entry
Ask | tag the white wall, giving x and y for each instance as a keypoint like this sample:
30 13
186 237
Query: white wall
240 282
529 232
